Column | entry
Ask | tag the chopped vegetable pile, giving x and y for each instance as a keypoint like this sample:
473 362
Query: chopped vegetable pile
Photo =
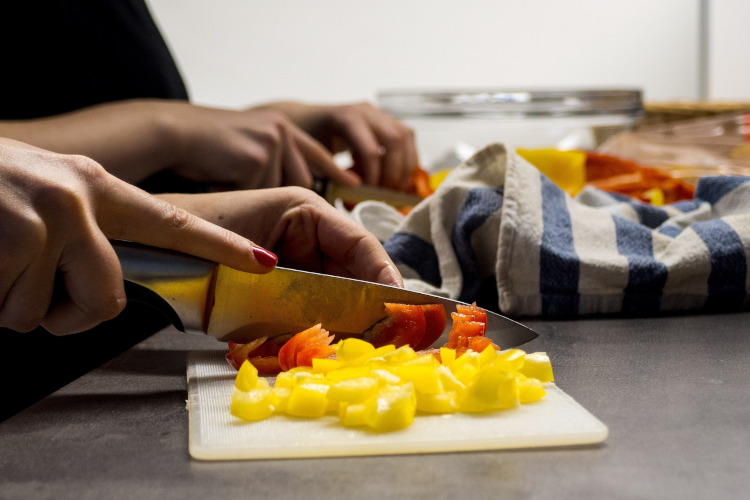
383 388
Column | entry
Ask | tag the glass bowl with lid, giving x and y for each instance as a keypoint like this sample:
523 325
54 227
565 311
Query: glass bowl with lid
451 124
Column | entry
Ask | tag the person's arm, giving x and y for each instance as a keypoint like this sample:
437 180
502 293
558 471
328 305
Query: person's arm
300 227
244 149
57 214
265 146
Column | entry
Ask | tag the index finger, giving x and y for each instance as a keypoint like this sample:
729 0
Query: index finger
321 157
130 213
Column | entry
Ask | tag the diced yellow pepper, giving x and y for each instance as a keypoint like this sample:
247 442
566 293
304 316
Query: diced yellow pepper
537 365
448 380
466 367
325 365
395 407
444 402
356 415
347 372
529 389
400 355
423 376
282 395
383 388
447 356
354 390
256 404
494 388
308 400
247 377
567 169
352 348
375 357
511 359
487 356
385 377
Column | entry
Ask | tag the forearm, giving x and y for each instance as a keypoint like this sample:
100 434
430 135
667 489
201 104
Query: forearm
132 139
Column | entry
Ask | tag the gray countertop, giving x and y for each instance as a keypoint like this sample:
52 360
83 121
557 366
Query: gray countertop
673 391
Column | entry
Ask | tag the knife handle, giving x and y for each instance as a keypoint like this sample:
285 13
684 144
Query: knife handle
174 283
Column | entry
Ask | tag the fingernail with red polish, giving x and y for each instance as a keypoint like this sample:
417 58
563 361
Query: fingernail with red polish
264 257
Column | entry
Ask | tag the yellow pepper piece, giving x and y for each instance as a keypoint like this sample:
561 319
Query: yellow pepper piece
282 395
448 380
424 377
400 355
256 404
438 177
352 348
355 390
537 365
247 377
445 402
655 196
308 400
395 407
447 356
529 389
377 354
511 359
487 356
356 415
347 372
325 365
494 388
567 169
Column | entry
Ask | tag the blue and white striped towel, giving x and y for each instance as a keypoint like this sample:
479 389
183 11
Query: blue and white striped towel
499 232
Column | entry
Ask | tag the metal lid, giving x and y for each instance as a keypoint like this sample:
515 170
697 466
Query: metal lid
488 103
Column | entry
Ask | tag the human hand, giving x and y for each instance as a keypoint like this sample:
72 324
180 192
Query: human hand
251 149
382 147
57 213
300 227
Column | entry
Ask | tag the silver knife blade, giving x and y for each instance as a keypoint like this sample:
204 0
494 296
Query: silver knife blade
231 305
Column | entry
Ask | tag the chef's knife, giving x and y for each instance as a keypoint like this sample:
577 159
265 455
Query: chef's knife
200 296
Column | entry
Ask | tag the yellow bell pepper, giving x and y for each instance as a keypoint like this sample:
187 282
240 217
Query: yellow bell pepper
383 389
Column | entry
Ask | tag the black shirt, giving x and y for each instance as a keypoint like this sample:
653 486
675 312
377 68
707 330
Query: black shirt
59 56
62 55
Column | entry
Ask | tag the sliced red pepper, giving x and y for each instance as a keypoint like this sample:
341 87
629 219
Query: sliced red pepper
435 320
404 325
238 353
315 340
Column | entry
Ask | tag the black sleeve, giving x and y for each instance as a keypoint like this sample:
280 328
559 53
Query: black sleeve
62 55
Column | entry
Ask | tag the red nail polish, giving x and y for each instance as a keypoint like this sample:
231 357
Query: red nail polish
264 257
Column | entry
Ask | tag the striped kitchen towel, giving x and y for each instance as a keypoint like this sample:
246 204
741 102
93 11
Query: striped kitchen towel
499 232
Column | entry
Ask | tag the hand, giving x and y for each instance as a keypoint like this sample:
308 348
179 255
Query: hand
300 227
57 213
382 147
251 149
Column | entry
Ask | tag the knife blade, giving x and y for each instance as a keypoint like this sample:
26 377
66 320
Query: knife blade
199 296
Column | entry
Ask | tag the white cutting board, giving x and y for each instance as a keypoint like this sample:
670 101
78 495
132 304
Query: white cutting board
556 420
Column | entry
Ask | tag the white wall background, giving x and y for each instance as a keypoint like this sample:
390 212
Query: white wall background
728 44
241 52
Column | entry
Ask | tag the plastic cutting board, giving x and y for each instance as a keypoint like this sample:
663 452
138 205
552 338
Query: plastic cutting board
556 420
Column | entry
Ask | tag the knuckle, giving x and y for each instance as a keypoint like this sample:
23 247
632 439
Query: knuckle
270 137
177 218
370 153
108 308
28 234
258 156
